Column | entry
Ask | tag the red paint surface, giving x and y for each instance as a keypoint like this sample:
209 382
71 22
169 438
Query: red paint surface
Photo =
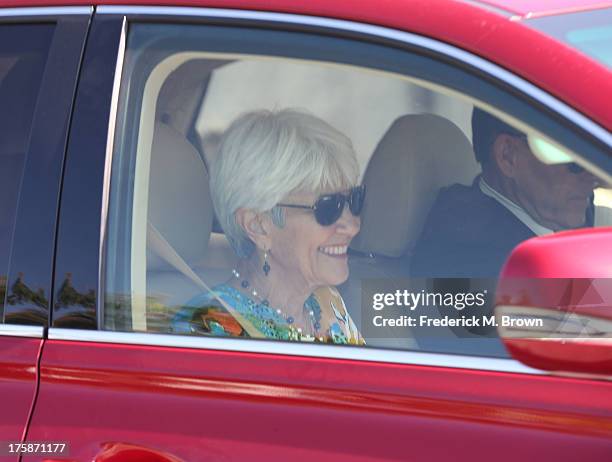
211 405
570 355
18 358
539 59
585 253
566 272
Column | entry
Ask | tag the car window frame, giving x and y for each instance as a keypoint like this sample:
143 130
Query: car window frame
32 249
583 130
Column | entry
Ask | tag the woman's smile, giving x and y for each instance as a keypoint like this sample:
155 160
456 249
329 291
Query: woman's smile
338 251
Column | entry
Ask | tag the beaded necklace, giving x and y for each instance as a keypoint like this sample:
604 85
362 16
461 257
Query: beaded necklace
314 315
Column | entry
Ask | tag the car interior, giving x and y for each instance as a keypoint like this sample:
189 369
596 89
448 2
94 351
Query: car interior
185 252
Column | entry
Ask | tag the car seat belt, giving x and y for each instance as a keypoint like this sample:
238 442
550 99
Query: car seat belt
164 250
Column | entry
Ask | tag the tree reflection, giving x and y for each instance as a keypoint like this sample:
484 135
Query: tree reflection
119 307
21 294
23 304
73 308
67 295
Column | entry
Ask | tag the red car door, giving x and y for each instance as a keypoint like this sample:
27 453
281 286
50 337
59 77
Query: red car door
110 398
18 380
37 77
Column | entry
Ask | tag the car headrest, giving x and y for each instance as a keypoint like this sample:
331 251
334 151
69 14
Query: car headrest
180 206
418 155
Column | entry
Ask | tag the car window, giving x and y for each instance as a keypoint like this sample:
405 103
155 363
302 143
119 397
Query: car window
23 54
269 192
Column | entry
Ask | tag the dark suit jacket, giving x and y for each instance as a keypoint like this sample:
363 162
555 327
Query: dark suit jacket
467 234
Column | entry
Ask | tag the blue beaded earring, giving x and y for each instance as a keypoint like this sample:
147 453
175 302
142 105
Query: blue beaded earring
266 265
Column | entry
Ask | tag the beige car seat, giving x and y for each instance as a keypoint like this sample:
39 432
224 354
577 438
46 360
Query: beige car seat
180 212
418 155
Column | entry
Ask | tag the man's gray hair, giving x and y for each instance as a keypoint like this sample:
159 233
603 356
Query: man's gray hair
266 155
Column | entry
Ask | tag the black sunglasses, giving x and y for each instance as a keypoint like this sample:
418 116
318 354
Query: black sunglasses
329 207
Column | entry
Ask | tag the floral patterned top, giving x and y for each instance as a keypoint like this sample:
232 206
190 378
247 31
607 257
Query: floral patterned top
241 316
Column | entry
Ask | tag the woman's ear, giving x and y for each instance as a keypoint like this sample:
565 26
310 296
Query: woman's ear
255 225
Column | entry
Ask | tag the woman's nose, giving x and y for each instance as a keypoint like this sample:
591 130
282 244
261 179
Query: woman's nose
348 223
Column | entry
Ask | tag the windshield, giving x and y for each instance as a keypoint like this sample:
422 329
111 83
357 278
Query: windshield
589 32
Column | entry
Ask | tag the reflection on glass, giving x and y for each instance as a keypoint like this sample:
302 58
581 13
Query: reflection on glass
74 308
25 305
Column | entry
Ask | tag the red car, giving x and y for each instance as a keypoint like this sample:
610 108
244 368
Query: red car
112 115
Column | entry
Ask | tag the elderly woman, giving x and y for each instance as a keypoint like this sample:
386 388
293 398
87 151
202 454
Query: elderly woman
284 188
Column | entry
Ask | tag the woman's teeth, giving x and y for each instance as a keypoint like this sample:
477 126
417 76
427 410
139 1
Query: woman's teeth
334 249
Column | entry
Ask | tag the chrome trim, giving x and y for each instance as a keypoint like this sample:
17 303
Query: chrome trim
108 164
46 11
296 349
15 330
384 32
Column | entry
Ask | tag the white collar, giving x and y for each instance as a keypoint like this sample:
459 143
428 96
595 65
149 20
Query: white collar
515 209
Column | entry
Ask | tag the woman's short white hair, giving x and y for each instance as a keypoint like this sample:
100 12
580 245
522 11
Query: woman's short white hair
266 155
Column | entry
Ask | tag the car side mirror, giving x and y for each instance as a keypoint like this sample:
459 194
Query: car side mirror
553 302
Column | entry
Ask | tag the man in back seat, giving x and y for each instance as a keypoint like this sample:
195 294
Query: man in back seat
471 230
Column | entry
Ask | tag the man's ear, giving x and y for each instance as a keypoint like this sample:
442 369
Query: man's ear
255 225
505 155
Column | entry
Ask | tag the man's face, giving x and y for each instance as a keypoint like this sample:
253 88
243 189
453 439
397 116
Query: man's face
553 195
